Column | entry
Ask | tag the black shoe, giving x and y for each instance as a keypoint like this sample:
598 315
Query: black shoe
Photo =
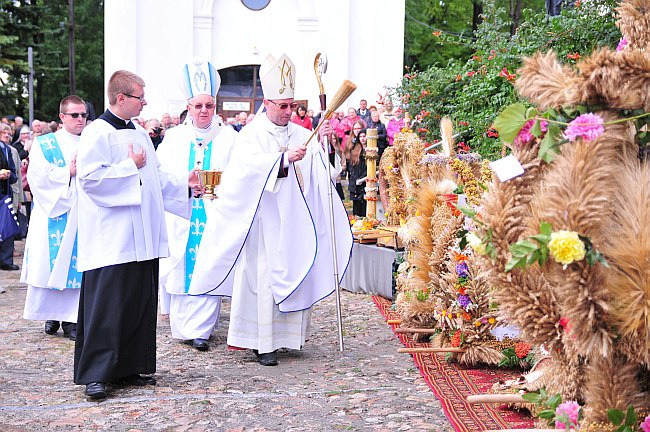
138 380
200 344
9 267
51 327
267 359
96 390
70 330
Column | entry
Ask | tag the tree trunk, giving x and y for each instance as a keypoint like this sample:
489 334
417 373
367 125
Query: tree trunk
476 14
515 15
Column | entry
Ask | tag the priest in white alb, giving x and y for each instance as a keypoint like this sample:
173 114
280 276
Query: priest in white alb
202 143
123 196
50 258
274 255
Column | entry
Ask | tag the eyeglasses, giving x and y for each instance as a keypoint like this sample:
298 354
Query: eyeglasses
284 106
207 106
76 115
134 97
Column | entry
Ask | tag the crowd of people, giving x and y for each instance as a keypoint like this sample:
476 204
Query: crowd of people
120 227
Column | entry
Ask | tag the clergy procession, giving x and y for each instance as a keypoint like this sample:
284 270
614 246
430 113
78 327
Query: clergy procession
121 229
467 251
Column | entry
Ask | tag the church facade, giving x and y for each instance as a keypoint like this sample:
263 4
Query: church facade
363 41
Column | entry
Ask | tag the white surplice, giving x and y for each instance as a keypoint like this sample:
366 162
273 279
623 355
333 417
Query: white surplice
122 207
54 194
275 257
190 317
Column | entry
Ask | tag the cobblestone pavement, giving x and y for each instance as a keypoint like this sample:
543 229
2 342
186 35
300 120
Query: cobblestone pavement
368 387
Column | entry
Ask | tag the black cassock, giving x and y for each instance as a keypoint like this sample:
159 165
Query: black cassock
116 327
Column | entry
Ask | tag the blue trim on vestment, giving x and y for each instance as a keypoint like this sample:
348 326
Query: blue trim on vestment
249 230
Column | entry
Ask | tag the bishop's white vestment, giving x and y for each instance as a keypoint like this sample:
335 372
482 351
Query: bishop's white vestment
275 257
186 148
50 261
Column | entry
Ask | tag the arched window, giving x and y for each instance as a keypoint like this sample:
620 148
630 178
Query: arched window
240 90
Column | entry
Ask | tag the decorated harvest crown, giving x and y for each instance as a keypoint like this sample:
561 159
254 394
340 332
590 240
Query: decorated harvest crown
199 77
278 77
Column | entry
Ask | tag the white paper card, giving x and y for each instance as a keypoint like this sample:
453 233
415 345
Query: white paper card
507 168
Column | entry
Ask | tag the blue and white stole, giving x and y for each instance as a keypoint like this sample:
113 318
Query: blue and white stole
56 225
199 159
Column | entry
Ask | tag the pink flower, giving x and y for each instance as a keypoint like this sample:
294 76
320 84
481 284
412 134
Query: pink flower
645 426
587 126
569 412
621 44
524 136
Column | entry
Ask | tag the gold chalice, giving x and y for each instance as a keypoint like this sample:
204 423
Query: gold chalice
210 179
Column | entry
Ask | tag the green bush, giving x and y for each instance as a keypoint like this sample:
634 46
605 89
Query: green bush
473 91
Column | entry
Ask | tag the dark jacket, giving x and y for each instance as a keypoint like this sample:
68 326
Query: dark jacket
7 163
357 172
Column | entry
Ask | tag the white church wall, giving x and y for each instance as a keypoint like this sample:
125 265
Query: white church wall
154 38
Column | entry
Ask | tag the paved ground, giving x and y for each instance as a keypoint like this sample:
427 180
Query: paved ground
368 387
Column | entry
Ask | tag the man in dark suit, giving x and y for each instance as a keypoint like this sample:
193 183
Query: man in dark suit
7 178
363 112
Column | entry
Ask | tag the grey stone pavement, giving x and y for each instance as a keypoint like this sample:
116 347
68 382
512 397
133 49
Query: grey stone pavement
368 387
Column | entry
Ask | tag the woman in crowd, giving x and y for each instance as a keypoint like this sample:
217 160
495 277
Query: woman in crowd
356 167
301 117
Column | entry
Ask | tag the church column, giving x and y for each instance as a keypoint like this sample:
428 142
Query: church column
203 28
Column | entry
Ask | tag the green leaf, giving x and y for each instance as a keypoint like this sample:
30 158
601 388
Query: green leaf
467 211
554 401
536 130
615 416
547 414
510 122
546 228
531 112
543 394
532 397
514 263
630 416
542 239
549 147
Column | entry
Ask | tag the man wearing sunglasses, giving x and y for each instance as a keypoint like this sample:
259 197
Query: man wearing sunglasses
49 264
202 143
276 259
122 198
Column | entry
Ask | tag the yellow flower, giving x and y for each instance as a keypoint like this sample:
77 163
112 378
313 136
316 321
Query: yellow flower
475 243
491 320
566 247
477 323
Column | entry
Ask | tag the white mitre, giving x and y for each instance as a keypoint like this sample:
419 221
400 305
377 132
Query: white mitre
199 77
278 77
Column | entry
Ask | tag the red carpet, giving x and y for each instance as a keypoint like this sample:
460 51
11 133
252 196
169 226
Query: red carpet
452 383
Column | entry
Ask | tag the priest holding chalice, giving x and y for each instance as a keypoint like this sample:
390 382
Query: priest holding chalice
203 143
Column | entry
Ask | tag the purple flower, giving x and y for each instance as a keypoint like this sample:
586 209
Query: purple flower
621 44
464 301
524 136
462 270
587 126
569 412
645 426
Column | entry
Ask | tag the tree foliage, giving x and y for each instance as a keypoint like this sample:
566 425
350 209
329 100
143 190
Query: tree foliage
460 18
473 89
43 25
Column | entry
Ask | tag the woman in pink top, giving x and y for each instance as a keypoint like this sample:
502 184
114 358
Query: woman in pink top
395 125
302 118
